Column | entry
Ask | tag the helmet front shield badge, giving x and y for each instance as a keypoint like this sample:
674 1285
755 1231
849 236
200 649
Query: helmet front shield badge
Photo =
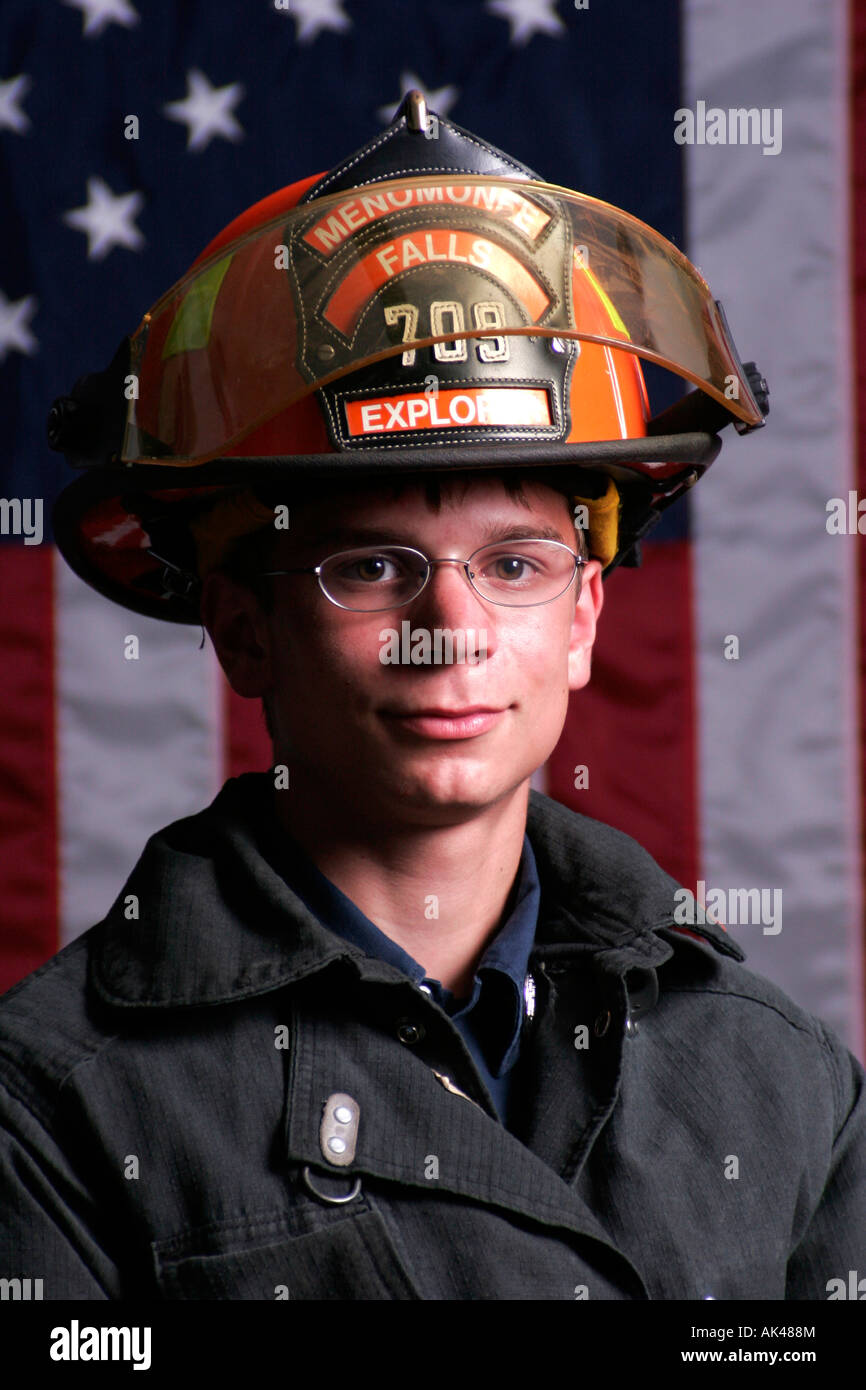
424 275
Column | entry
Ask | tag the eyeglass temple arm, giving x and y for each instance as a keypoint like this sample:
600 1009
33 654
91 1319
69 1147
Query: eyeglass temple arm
271 574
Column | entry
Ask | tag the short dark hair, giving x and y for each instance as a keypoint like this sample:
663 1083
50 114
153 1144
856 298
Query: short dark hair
253 553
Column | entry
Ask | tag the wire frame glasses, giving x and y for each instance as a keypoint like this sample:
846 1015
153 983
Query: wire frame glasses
516 574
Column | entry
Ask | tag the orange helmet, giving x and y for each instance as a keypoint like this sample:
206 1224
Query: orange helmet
427 305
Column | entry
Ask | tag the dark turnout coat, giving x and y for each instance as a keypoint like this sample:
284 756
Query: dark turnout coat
170 1083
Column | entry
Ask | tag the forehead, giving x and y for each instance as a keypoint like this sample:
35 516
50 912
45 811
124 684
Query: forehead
419 500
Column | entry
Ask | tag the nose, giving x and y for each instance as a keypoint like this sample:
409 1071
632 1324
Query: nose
448 600
448 589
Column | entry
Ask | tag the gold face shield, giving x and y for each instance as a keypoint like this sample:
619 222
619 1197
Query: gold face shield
426 277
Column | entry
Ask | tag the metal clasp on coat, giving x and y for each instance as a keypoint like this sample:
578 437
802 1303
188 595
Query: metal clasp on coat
338 1137
332 1201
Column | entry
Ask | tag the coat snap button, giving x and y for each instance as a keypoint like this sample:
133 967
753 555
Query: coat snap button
602 1023
338 1131
409 1033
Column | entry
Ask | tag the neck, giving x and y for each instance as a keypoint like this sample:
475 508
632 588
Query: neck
438 891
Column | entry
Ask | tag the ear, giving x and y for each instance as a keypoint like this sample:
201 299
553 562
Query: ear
583 626
240 633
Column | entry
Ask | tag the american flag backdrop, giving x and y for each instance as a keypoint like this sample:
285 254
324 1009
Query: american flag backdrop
738 765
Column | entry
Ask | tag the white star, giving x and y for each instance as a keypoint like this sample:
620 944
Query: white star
11 93
311 16
439 101
527 16
100 13
14 331
206 110
107 219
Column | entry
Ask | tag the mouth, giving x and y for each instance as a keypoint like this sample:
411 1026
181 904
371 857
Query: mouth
446 724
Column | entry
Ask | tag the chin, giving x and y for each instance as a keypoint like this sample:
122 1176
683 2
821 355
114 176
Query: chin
456 791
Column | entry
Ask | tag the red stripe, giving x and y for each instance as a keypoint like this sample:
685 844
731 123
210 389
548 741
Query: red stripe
28 776
857 147
247 745
634 726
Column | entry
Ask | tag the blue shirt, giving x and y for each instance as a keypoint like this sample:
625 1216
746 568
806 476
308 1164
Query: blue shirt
490 1020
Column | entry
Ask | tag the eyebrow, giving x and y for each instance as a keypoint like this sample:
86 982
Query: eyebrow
352 536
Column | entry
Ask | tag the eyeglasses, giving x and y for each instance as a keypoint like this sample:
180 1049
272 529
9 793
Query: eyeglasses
373 578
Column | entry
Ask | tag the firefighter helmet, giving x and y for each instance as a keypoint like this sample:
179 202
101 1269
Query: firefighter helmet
430 304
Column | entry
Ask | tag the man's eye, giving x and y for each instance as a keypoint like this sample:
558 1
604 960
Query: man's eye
372 569
513 567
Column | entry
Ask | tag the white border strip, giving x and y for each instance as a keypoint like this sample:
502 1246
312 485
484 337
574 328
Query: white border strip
778 728
139 742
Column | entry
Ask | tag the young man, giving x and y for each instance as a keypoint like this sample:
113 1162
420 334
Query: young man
381 1022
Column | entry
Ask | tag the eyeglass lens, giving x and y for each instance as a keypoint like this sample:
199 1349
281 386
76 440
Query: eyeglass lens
511 573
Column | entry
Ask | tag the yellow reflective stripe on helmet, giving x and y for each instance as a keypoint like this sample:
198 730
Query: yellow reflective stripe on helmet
191 327
607 302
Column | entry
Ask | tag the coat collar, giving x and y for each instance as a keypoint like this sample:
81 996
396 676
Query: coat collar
205 918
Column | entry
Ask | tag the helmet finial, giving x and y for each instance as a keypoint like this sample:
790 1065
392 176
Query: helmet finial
414 107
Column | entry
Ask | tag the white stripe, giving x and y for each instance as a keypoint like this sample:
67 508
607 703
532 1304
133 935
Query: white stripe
139 743
778 728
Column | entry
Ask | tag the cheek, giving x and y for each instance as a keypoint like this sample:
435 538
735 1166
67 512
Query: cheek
538 647
312 656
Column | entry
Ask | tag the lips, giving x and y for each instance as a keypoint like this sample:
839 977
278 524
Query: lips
440 724
436 712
